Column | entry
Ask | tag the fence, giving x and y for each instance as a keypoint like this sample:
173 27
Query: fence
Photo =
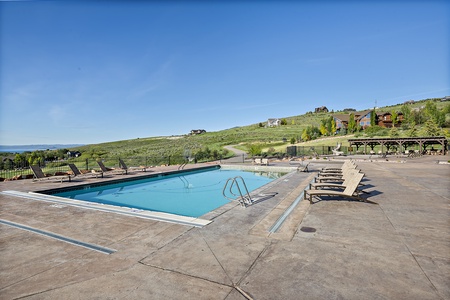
10 169
315 151
328 150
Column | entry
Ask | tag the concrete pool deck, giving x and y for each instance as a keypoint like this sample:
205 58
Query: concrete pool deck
396 249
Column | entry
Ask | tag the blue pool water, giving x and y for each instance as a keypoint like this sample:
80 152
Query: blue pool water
189 194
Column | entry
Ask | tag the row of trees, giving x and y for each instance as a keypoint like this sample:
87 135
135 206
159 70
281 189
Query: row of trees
37 157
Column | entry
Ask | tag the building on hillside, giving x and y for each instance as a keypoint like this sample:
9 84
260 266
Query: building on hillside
321 109
73 153
197 131
341 121
273 122
385 119
409 102
362 119
446 98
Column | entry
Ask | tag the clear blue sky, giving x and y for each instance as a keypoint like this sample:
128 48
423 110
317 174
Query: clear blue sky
91 72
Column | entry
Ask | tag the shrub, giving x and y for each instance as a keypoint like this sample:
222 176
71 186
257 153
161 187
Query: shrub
255 149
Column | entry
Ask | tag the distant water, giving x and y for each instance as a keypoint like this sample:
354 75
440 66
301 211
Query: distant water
24 148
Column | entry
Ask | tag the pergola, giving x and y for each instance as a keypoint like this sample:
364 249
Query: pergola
402 143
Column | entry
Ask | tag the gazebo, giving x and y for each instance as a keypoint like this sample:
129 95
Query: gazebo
402 143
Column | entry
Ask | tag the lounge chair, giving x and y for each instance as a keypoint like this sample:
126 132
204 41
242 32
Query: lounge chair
39 175
299 164
76 172
344 169
265 161
257 161
123 166
351 191
334 176
346 164
340 186
303 168
107 170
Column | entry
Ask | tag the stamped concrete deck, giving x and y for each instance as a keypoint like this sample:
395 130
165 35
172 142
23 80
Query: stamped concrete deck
397 249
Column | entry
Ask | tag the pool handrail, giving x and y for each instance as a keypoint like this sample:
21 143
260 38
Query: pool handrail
244 200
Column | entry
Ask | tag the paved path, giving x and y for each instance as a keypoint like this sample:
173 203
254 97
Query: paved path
397 249
239 155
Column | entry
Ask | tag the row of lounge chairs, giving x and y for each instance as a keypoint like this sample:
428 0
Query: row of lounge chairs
40 176
337 182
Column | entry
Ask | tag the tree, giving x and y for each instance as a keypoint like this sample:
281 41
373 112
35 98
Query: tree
19 160
351 123
407 115
394 116
329 124
431 128
323 129
431 110
417 116
393 132
447 115
412 132
306 136
283 121
36 158
292 140
373 119
255 149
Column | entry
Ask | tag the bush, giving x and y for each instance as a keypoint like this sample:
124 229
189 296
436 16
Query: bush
254 149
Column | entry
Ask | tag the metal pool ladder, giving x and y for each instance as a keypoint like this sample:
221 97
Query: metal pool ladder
243 198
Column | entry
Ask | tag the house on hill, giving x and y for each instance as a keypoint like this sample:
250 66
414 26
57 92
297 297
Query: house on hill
362 118
73 153
341 121
197 131
385 119
382 119
321 109
273 122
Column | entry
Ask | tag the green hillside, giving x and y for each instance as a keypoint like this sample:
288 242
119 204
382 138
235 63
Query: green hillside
255 138
269 138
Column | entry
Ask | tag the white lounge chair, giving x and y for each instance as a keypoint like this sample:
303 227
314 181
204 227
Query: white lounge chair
351 191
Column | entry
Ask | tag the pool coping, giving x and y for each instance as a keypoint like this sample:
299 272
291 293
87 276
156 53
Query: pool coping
140 213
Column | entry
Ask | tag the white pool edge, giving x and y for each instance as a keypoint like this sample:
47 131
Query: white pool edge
145 214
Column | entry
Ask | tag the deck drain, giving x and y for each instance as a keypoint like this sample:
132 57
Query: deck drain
308 229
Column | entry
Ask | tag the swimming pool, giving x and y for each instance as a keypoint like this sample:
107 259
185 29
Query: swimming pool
190 194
